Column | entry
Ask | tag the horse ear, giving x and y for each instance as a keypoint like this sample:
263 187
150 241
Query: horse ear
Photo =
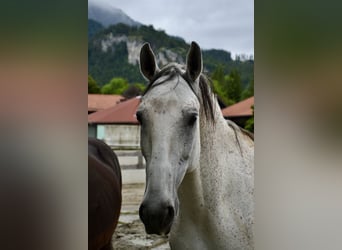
194 62
148 66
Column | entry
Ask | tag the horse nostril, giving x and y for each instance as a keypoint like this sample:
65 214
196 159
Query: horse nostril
157 216
142 212
170 212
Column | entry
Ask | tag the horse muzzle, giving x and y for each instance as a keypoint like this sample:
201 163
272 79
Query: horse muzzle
157 217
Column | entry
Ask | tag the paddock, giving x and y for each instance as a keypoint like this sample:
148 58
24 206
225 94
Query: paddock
130 233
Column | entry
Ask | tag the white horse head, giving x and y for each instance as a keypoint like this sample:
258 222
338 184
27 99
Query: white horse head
199 168
170 139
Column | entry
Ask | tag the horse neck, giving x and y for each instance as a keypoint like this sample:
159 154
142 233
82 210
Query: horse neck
212 133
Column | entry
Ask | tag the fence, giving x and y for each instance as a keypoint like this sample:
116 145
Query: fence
130 159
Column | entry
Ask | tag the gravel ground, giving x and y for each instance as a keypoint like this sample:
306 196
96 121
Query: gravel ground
130 233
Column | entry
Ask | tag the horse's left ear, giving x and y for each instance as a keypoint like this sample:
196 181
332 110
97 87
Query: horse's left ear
194 62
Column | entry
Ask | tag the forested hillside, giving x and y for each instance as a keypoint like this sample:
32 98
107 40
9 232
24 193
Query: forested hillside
113 62
113 52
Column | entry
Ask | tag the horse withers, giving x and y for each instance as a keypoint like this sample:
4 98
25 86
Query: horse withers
104 194
199 168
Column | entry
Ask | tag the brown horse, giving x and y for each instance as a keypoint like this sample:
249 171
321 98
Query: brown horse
104 194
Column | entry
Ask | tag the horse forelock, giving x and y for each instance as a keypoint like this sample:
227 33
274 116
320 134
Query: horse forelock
206 96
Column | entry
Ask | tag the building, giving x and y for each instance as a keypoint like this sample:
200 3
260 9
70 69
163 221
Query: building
240 112
117 125
98 102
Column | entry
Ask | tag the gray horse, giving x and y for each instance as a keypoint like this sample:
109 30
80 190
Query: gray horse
199 168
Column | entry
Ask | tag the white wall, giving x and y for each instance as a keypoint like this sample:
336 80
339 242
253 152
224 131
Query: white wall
120 136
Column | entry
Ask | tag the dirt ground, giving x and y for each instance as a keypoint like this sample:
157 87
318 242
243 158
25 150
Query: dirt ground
130 233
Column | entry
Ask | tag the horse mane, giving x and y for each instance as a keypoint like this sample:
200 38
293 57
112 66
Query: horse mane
248 133
237 129
172 70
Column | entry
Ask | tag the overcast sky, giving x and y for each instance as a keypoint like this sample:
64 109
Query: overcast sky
219 24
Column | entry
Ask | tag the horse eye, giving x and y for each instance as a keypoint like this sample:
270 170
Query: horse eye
139 117
192 119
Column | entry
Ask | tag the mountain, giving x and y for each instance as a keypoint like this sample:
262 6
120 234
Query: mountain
108 15
114 52
93 28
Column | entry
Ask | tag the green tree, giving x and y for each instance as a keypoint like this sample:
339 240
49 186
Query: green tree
115 86
232 85
218 84
249 91
227 87
133 90
93 88
218 74
220 92
140 86
250 123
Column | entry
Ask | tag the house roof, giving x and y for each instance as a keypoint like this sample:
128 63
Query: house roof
122 113
243 108
98 102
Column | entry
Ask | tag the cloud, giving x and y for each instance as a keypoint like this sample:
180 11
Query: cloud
219 24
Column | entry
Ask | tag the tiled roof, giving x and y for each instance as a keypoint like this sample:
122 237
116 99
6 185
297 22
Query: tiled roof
243 108
122 113
98 102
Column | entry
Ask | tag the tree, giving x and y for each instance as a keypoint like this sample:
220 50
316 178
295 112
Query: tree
218 74
232 85
250 123
219 91
93 88
134 90
227 87
218 84
115 86
249 91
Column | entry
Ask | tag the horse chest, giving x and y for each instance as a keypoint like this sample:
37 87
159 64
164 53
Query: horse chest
198 231
198 225
209 232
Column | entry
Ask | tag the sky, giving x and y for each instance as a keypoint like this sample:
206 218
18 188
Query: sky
218 24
